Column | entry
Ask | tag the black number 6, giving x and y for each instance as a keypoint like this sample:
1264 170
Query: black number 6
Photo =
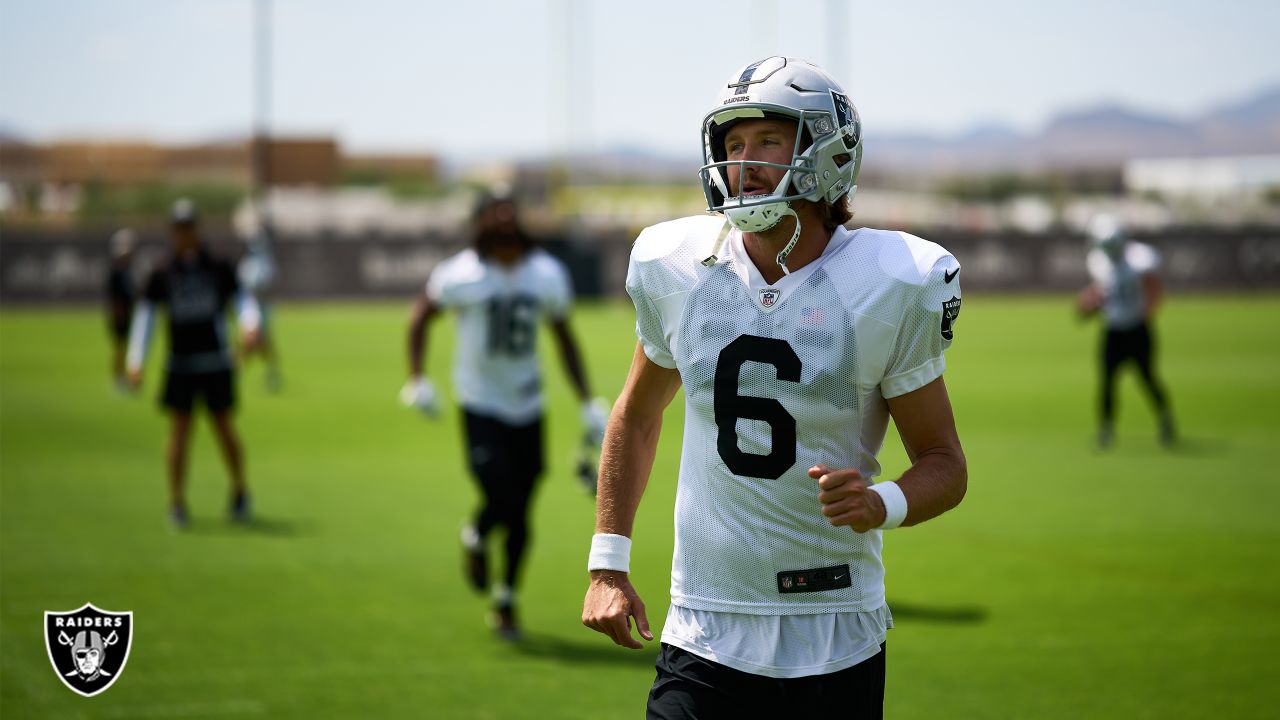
729 406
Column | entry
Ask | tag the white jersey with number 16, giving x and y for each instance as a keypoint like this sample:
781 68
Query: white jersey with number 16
496 370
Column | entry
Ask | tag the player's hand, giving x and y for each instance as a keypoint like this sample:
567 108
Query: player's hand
421 394
595 416
1088 301
610 604
847 498
133 378
250 338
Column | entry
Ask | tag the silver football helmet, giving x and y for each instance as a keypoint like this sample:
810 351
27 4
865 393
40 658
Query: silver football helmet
1107 234
827 153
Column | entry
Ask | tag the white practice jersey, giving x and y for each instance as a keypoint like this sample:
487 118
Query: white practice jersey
1120 280
779 378
256 270
496 370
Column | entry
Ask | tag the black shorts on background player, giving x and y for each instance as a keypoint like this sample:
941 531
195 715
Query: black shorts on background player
215 389
120 298
506 460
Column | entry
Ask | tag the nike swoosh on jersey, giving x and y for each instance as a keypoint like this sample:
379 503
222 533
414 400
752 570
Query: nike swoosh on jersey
947 277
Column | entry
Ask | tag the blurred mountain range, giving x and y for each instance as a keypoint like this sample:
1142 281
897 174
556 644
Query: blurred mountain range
1100 136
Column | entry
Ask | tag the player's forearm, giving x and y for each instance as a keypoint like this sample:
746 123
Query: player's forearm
572 359
139 335
1152 295
630 444
417 341
422 312
935 483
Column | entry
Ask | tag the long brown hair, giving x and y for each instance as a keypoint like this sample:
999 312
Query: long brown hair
836 214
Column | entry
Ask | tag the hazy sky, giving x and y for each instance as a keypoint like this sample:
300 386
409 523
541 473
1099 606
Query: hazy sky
489 78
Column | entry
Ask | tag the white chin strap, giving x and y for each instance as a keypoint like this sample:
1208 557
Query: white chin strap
791 244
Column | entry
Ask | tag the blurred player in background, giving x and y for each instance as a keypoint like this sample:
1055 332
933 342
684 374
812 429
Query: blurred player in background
1126 288
122 293
796 340
196 289
500 289
256 272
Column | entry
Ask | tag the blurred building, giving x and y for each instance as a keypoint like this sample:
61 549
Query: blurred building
1207 178
48 182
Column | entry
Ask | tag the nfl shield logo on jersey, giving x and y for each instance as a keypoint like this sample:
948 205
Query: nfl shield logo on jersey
88 647
768 296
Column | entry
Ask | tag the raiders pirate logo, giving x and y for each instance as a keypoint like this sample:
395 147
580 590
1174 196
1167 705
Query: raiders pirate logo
768 297
950 311
88 647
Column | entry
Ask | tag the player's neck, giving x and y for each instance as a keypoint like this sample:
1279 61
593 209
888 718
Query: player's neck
763 247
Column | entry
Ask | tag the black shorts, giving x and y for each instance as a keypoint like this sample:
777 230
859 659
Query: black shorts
689 686
216 388
496 449
1119 346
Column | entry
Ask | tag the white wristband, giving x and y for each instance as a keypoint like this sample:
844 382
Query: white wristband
895 504
610 552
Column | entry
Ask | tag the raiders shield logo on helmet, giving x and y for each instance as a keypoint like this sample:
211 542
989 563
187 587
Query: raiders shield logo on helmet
950 311
88 647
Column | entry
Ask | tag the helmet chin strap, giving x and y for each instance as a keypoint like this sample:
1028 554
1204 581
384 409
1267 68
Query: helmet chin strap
781 259
749 223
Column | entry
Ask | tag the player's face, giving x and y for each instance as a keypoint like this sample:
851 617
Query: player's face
185 237
762 139
501 230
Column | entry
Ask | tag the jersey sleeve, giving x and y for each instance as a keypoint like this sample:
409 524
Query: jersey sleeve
1143 258
557 289
664 267
439 286
649 329
925 331
1098 265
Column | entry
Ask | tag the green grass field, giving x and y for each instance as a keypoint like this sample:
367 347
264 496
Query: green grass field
1140 583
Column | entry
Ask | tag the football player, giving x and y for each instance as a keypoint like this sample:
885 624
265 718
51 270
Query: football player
121 296
795 340
256 272
500 290
1126 289
196 288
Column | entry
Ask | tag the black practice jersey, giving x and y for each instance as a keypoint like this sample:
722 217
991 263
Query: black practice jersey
196 294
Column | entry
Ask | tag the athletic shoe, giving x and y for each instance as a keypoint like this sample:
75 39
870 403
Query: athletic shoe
239 511
504 622
475 566
1167 434
178 517
1105 437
